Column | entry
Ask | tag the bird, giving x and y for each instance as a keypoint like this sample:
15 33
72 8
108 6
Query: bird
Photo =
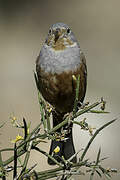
60 59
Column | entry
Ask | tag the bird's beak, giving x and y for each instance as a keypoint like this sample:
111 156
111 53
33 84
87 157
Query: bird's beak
57 35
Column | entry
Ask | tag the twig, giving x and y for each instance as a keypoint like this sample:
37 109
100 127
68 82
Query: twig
43 136
15 163
2 168
93 137
26 159
53 172
98 112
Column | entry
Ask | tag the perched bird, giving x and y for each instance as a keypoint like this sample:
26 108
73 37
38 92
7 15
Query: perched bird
60 60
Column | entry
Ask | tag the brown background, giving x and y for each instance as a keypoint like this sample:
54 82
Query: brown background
23 28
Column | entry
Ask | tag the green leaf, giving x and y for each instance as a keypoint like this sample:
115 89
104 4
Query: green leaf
36 79
25 128
98 112
102 159
98 156
2 125
15 162
108 176
98 173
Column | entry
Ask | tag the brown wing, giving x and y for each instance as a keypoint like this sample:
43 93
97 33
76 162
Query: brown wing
46 84
83 75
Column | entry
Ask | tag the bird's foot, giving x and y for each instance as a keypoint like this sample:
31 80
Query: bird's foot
69 116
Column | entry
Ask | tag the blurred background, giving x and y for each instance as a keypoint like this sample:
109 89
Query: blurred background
23 28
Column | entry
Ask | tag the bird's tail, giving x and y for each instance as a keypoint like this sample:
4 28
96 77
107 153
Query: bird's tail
62 147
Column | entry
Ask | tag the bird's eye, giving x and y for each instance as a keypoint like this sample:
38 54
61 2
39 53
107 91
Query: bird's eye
50 31
68 30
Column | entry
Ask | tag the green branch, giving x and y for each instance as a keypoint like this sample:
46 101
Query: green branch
93 137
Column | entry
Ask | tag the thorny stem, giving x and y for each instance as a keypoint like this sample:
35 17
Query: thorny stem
43 174
26 159
43 136
93 137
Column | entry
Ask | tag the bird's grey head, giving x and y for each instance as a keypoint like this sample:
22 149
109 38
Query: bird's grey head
60 37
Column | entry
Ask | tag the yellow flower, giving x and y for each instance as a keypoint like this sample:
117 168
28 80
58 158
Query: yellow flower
13 119
57 149
18 138
74 77
49 107
50 110
91 130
